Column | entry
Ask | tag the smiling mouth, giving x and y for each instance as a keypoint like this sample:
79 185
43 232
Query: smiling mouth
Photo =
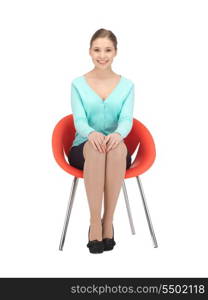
102 62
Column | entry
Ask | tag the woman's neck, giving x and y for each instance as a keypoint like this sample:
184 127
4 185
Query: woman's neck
102 74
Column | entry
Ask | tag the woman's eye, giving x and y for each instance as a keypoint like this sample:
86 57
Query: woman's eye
98 50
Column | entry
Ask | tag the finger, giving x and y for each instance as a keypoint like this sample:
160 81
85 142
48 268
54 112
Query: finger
115 145
98 146
104 142
94 146
109 146
107 139
102 145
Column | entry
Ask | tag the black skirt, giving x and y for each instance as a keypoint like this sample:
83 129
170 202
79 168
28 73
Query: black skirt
76 157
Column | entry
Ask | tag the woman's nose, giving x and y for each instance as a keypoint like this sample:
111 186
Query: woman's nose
102 56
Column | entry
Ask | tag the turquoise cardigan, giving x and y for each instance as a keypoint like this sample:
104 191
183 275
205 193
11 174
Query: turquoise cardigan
92 113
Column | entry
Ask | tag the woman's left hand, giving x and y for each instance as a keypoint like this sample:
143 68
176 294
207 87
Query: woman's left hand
112 140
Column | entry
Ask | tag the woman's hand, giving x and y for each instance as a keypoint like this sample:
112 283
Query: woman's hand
97 140
112 140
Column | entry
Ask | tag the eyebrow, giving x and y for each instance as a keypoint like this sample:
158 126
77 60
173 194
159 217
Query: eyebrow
106 47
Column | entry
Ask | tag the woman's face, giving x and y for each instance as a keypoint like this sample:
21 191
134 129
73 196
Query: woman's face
102 52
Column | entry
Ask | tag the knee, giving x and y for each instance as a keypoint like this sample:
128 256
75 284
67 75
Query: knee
88 149
120 150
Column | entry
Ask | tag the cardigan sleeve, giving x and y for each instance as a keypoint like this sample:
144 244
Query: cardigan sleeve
125 120
79 114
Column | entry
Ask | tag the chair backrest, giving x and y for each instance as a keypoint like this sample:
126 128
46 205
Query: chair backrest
62 137
141 136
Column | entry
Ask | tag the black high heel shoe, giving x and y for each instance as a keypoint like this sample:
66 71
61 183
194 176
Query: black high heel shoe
109 243
95 246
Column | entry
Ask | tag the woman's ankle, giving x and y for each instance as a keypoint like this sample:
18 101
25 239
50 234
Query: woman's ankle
107 221
96 231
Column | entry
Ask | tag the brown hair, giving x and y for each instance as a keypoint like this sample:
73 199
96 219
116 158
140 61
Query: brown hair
101 33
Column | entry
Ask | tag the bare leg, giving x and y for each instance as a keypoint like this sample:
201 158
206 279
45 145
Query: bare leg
114 176
94 179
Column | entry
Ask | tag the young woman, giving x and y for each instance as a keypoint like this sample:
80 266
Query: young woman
102 104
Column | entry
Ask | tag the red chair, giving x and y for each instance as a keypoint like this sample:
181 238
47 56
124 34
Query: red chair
62 138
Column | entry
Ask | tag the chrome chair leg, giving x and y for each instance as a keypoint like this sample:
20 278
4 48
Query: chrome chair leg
68 212
147 213
128 208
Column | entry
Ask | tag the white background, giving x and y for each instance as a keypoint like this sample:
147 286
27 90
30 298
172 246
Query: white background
162 47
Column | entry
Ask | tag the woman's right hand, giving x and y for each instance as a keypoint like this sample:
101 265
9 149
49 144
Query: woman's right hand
97 139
